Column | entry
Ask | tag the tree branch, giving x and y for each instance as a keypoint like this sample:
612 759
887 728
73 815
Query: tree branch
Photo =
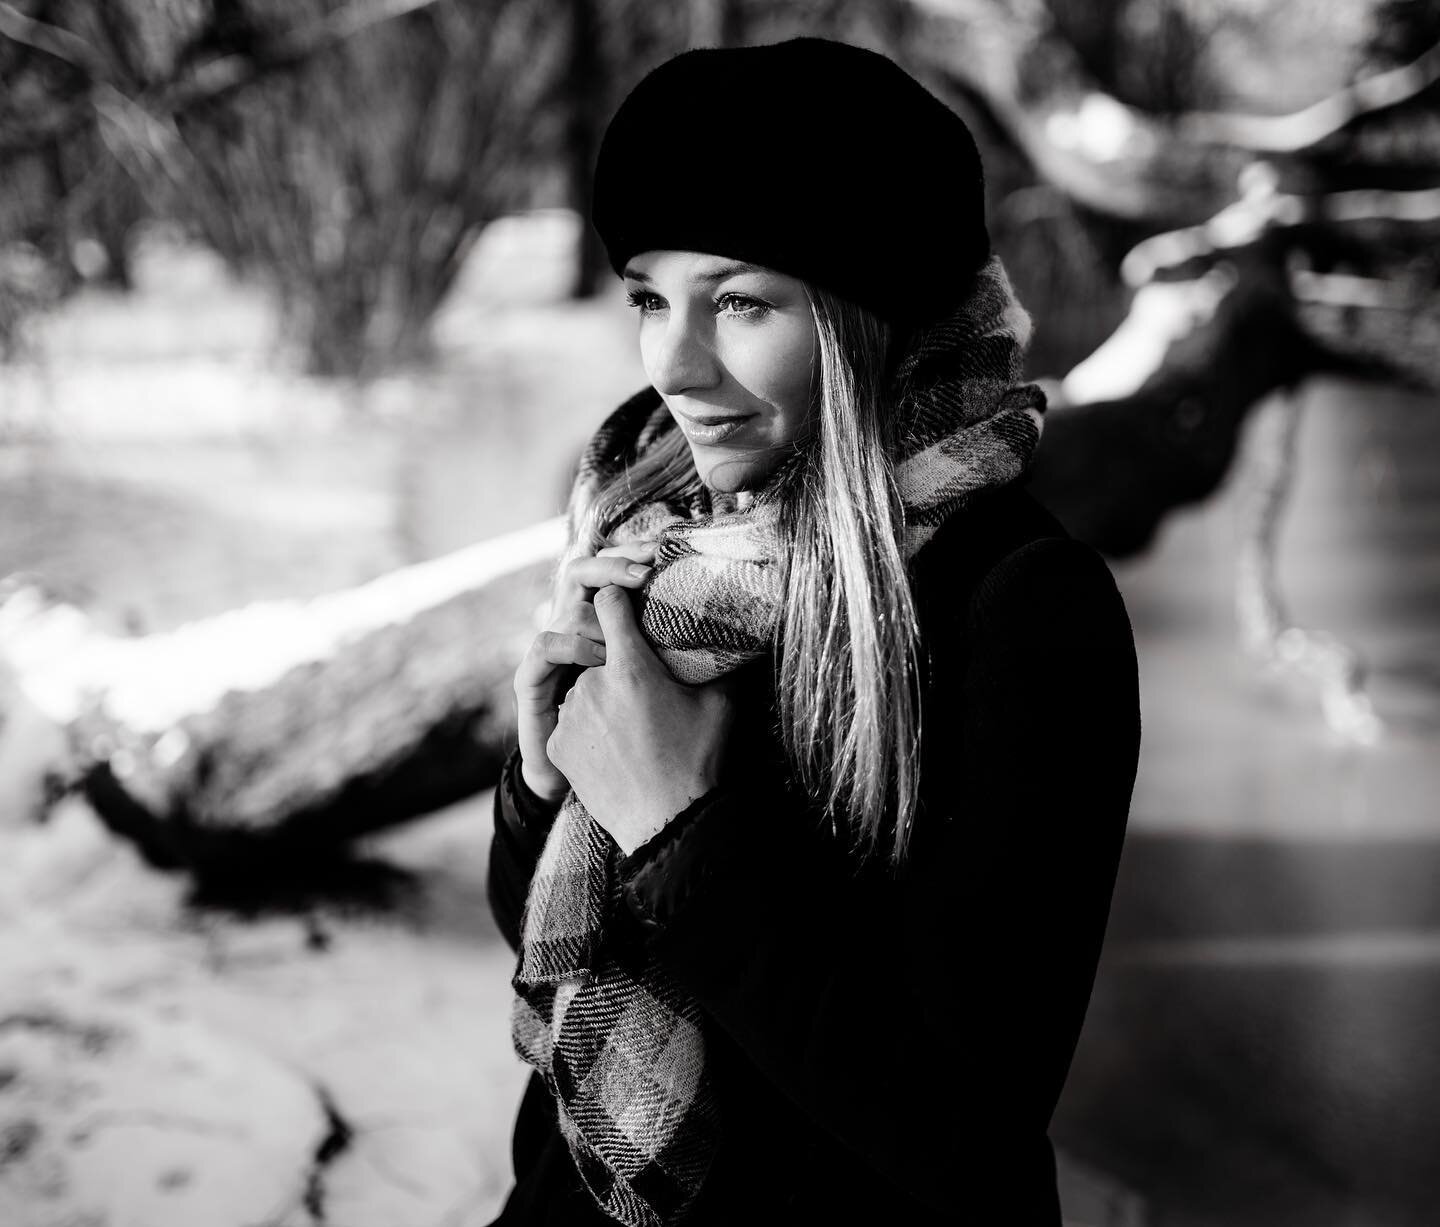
228 73
1260 211
1109 157
207 82
21 28
1306 128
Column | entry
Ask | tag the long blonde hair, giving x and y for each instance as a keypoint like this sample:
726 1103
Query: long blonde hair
847 671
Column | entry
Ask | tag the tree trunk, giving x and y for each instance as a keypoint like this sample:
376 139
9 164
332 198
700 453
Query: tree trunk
583 100
715 23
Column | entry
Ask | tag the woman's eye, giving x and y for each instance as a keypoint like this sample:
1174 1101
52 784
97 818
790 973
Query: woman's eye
750 308
643 301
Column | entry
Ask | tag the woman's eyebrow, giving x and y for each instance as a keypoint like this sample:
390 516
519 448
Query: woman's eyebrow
717 274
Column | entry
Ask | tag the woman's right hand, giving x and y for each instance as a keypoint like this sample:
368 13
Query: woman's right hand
572 641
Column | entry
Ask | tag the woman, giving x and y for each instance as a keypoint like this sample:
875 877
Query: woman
825 756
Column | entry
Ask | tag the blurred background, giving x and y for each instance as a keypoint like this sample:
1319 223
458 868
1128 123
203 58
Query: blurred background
301 330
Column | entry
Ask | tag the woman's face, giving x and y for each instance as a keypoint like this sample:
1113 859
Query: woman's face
731 348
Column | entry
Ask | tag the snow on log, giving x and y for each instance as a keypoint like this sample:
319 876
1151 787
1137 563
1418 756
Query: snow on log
292 725
1162 403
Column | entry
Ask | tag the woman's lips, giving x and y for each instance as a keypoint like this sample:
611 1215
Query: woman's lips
716 430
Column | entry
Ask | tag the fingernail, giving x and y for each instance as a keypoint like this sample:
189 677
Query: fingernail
638 570
599 651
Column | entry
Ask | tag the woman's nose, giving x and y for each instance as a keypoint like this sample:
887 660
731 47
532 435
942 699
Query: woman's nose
682 359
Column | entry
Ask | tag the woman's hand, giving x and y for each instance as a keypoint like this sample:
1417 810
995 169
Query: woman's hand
573 641
636 745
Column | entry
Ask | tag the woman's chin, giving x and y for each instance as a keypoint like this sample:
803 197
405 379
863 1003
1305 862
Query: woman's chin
732 474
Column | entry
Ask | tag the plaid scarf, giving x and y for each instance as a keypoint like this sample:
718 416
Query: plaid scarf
619 1042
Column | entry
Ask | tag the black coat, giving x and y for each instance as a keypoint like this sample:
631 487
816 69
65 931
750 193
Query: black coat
891 1050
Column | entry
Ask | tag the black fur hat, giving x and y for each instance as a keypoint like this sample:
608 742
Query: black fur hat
824 161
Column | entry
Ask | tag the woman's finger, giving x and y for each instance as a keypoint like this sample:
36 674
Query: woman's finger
640 551
601 570
558 648
552 648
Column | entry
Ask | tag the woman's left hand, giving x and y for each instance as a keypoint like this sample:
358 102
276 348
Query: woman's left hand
636 745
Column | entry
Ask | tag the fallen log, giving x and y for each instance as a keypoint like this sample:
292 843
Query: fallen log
287 728
1151 421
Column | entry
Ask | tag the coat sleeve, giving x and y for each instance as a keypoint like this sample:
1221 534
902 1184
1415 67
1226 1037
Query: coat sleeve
899 1020
522 822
